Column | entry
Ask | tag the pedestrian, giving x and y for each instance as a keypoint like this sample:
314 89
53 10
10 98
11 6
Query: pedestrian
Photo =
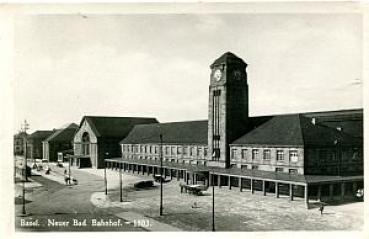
321 208
66 178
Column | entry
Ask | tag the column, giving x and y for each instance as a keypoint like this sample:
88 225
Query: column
291 192
306 196
177 174
331 192
342 191
209 183
165 172
264 190
319 194
186 177
219 182
133 168
170 174
229 182
276 189
240 183
252 185
143 169
148 170
193 178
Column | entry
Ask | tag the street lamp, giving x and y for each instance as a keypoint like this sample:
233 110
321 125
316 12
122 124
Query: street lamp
161 174
105 179
213 206
24 127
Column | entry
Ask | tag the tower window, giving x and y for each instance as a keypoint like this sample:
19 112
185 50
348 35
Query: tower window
217 92
216 153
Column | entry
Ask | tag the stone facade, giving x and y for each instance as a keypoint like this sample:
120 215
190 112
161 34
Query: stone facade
280 159
86 148
174 153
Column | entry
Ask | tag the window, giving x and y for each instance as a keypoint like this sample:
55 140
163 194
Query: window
292 171
254 167
179 150
172 150
156 149
255 154
85 144
217 92
266 154
205 152
216 153
166 150
185 150
293 156
355 154
280 155
233 153
279 170
243 153
243 167
142 149
199 151
150 149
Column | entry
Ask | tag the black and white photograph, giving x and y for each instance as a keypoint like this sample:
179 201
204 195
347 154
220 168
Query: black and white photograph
203 117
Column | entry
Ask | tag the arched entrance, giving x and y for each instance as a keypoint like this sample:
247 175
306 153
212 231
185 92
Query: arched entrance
85 160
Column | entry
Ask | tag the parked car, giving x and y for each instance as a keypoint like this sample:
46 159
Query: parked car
144 184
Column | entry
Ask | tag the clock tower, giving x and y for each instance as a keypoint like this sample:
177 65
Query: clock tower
228 107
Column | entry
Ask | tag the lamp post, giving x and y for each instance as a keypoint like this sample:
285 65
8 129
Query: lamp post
213 204
120 183
24 127
105 178
161 174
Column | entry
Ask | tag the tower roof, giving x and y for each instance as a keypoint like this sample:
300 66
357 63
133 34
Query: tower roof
228 58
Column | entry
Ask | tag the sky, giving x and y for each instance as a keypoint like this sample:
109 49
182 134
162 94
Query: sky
68 66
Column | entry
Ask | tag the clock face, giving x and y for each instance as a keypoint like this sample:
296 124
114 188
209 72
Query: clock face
217 75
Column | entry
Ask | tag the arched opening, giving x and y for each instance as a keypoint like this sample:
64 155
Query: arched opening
85 144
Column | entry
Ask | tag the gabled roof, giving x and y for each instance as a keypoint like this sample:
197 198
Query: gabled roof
296 130
64 134
114 127
227 58
188 132
41 134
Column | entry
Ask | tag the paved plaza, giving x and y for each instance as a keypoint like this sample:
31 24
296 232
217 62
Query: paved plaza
235 211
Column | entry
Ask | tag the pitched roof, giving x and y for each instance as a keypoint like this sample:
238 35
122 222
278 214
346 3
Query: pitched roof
41 134
227 58
281 130
295 130
350 121
114 127
188 132
64 134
